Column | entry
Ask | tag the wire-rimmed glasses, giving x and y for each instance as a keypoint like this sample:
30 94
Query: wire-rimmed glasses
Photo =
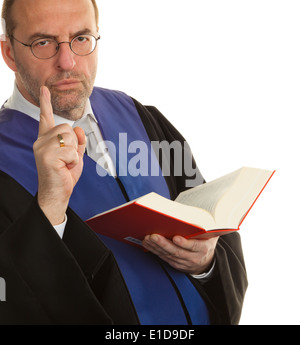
46 48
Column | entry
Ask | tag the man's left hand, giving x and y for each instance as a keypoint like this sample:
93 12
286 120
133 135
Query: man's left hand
191 256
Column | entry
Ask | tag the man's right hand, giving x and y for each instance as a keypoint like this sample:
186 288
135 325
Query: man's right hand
59 168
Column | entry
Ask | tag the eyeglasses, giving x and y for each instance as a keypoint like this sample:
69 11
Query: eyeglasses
46 48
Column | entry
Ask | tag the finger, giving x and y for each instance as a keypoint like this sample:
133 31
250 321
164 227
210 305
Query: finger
188 244
51 140
183 266
194 245
163 246
156 241
177 262
81 140
69 157
46 115
153 248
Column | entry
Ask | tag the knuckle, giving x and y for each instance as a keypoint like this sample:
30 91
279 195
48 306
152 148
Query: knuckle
174 253
195 246
73 155
64 128
35 146
67 137
178 253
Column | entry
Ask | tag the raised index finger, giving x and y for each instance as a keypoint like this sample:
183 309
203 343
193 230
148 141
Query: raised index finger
46 115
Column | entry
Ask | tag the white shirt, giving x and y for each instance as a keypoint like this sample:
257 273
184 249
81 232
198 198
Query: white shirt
19 103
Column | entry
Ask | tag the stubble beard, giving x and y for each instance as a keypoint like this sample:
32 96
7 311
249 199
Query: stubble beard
68 104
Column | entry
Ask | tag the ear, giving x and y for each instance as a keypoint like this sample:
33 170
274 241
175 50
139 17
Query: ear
8 54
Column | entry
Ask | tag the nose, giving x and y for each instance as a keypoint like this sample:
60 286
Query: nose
65 58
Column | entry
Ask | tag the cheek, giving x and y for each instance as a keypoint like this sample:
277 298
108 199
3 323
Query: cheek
39 74
34 69
89 68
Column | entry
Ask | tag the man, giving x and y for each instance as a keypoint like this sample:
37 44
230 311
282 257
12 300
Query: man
57 271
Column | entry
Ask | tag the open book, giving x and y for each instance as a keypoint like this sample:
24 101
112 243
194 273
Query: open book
212 209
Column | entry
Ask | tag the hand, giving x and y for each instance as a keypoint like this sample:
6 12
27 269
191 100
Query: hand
59 168
190 256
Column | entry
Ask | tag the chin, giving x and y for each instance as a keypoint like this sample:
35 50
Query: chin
68 100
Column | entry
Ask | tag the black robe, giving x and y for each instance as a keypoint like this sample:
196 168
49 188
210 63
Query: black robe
50 281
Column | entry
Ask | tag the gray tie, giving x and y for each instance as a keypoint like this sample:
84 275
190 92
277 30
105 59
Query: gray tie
95 149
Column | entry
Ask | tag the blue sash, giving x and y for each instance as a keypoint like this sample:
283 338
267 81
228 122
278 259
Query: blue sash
152 289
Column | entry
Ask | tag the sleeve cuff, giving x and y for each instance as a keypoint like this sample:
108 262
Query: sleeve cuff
60 229
206 275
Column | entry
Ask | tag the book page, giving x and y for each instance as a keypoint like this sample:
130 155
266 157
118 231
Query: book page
249 184
208 195
193 215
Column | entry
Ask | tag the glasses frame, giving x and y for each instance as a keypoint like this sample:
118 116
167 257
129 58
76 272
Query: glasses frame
58 45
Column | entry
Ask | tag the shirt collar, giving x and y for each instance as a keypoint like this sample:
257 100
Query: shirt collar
19 103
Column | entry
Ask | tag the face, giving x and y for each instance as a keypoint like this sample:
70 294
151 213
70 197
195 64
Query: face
69 77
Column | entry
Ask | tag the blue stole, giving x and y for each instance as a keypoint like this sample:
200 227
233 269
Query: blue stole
157 290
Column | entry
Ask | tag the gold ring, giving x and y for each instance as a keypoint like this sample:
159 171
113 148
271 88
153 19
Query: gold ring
61 140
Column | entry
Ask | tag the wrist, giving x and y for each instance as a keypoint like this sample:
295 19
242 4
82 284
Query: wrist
206 268
206 275
54 211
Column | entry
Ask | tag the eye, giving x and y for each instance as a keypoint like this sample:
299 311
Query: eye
42 43
81 39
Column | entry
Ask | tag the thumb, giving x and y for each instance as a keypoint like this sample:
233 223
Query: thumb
46 115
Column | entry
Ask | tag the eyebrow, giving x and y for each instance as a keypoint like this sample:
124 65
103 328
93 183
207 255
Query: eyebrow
38 35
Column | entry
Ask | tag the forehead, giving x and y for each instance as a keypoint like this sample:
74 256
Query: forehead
54 17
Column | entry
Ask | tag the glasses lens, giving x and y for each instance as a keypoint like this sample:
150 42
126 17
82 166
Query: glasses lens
44 48
84 44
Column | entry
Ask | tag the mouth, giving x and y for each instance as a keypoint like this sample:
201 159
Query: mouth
66 84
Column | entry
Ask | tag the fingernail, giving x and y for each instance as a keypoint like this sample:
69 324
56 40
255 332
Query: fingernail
177 240
154 238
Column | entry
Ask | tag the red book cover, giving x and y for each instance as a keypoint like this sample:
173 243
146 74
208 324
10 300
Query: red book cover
131 222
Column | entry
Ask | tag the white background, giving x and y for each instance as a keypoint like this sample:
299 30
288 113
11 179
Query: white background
227 74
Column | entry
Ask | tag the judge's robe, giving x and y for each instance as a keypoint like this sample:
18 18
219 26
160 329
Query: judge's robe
77 280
